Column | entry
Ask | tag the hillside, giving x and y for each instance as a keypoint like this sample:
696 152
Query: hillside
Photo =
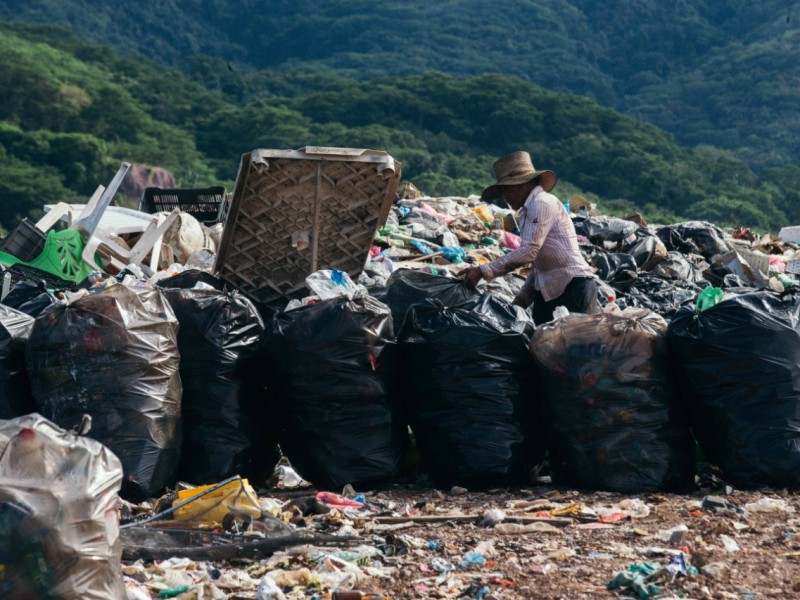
722 73
73 112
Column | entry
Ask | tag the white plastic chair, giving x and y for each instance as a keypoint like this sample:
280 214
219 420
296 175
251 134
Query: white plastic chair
103 243
67 212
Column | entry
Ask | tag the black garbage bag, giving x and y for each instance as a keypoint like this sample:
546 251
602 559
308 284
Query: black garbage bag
16 398
601 229
113 355
589 250
408 286
674 241
226 429
647 251
467 382
327 389
662 296
192 278
676 266
611 412
428 228
696 237
617 269
504 288
378 292
29 297
739 365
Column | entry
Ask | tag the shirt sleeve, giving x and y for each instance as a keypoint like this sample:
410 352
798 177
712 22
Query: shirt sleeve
539 219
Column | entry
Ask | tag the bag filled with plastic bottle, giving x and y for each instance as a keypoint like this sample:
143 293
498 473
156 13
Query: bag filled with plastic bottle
113 354
613 417
59 529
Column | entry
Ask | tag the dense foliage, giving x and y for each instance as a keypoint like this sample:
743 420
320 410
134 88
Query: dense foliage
721 72
72 112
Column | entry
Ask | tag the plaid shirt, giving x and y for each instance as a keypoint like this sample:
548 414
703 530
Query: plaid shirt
549 245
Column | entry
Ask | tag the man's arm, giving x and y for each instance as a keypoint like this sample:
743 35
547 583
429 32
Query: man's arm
538 221
524 297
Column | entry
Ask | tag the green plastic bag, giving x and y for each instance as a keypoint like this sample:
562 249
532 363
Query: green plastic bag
708 298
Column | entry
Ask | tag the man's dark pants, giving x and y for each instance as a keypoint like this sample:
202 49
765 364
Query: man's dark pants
580 295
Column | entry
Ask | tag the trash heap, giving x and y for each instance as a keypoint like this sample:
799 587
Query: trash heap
153 335
187 378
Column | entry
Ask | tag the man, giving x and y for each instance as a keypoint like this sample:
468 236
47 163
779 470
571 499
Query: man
559 275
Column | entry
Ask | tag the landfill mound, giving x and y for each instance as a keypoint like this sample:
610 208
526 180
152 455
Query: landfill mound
336 412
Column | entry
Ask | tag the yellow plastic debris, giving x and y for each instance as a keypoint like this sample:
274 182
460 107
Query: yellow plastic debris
237 497
484 213
573 509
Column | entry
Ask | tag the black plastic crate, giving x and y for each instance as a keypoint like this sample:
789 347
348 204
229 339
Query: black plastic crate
20 272
25 242
202 203
224 209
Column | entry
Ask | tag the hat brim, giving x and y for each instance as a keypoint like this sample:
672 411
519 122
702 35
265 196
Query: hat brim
494 193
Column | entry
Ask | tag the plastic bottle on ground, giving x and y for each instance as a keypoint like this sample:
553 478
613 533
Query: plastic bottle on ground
268 590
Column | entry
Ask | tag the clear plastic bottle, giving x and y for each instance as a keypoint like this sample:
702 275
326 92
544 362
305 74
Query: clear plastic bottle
268 590
26 454
611 306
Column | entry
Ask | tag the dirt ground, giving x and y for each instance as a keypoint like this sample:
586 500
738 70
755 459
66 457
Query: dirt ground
540 542
579 560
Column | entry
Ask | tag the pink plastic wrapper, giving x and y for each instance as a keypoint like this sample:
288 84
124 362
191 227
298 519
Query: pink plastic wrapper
510 240
338 502
777 263
436 215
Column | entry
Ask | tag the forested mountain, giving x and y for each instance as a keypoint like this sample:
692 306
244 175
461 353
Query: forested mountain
717 72
72 112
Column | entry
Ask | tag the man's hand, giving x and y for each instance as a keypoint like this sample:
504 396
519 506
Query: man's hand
522 302
471 276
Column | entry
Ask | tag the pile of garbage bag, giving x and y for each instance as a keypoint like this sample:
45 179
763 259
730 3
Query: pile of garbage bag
188 377
132 367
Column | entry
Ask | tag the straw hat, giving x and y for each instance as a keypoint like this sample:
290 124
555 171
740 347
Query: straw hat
514 169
